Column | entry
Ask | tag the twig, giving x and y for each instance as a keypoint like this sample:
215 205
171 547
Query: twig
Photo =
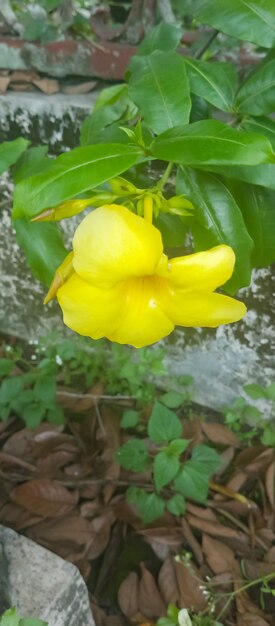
91 396
166 11
207 44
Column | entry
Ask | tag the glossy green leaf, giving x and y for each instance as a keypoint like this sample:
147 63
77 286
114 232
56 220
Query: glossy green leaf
10 151
162 101
112 105
165 468
164 36
210 142
217 220
71 174
251 20
172 228
215 82
130 419
164 425
31 162
257 93
10 618
257 205
262 125
263 175
43 247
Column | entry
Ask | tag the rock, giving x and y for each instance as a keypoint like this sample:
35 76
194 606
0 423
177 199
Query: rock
40 584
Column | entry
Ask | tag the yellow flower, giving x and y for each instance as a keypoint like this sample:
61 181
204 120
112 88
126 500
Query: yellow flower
121 286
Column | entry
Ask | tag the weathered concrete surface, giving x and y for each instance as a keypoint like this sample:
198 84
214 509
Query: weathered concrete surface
40 584
62 58
54 120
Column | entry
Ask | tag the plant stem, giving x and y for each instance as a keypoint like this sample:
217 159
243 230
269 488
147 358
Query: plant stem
148 209
207 44
163 180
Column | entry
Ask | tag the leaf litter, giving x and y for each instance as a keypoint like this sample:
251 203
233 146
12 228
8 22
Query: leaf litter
62 487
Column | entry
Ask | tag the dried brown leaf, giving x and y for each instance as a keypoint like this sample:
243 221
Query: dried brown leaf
250 619
44 497
70 530
47 85
270 483
219 433
189 583
128 595
212 528
218 556
270 555
150 601
4 83
167 582
99 537
80 88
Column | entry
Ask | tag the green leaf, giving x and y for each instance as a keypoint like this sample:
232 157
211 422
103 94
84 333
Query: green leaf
262 125
43 247
71 174
217 220
112 107
149 505
10 151
45 389
176 505
208 458
268 436
215 82
178 446
31 162
129 419
172 228
257 93
6 366
55 415
210 142
251 413
33 414
258 209
164 36
11 388
10 618
165 468
163 102
172 399
251 20
270 391
191 483
193 477
133 455
164 425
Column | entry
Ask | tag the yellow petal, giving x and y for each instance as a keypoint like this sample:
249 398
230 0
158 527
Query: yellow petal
142 320
112 244
200 271
199 308
88 310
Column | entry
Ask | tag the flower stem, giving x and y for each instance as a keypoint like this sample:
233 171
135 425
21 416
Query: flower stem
148 209
162 182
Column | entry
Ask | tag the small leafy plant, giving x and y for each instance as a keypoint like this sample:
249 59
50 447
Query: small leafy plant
11 618
178 470
247 420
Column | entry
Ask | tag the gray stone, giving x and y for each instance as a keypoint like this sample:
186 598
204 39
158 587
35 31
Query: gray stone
40 584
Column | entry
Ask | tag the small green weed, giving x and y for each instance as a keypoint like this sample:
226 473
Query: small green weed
176 473
29 385
11 618
247 420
